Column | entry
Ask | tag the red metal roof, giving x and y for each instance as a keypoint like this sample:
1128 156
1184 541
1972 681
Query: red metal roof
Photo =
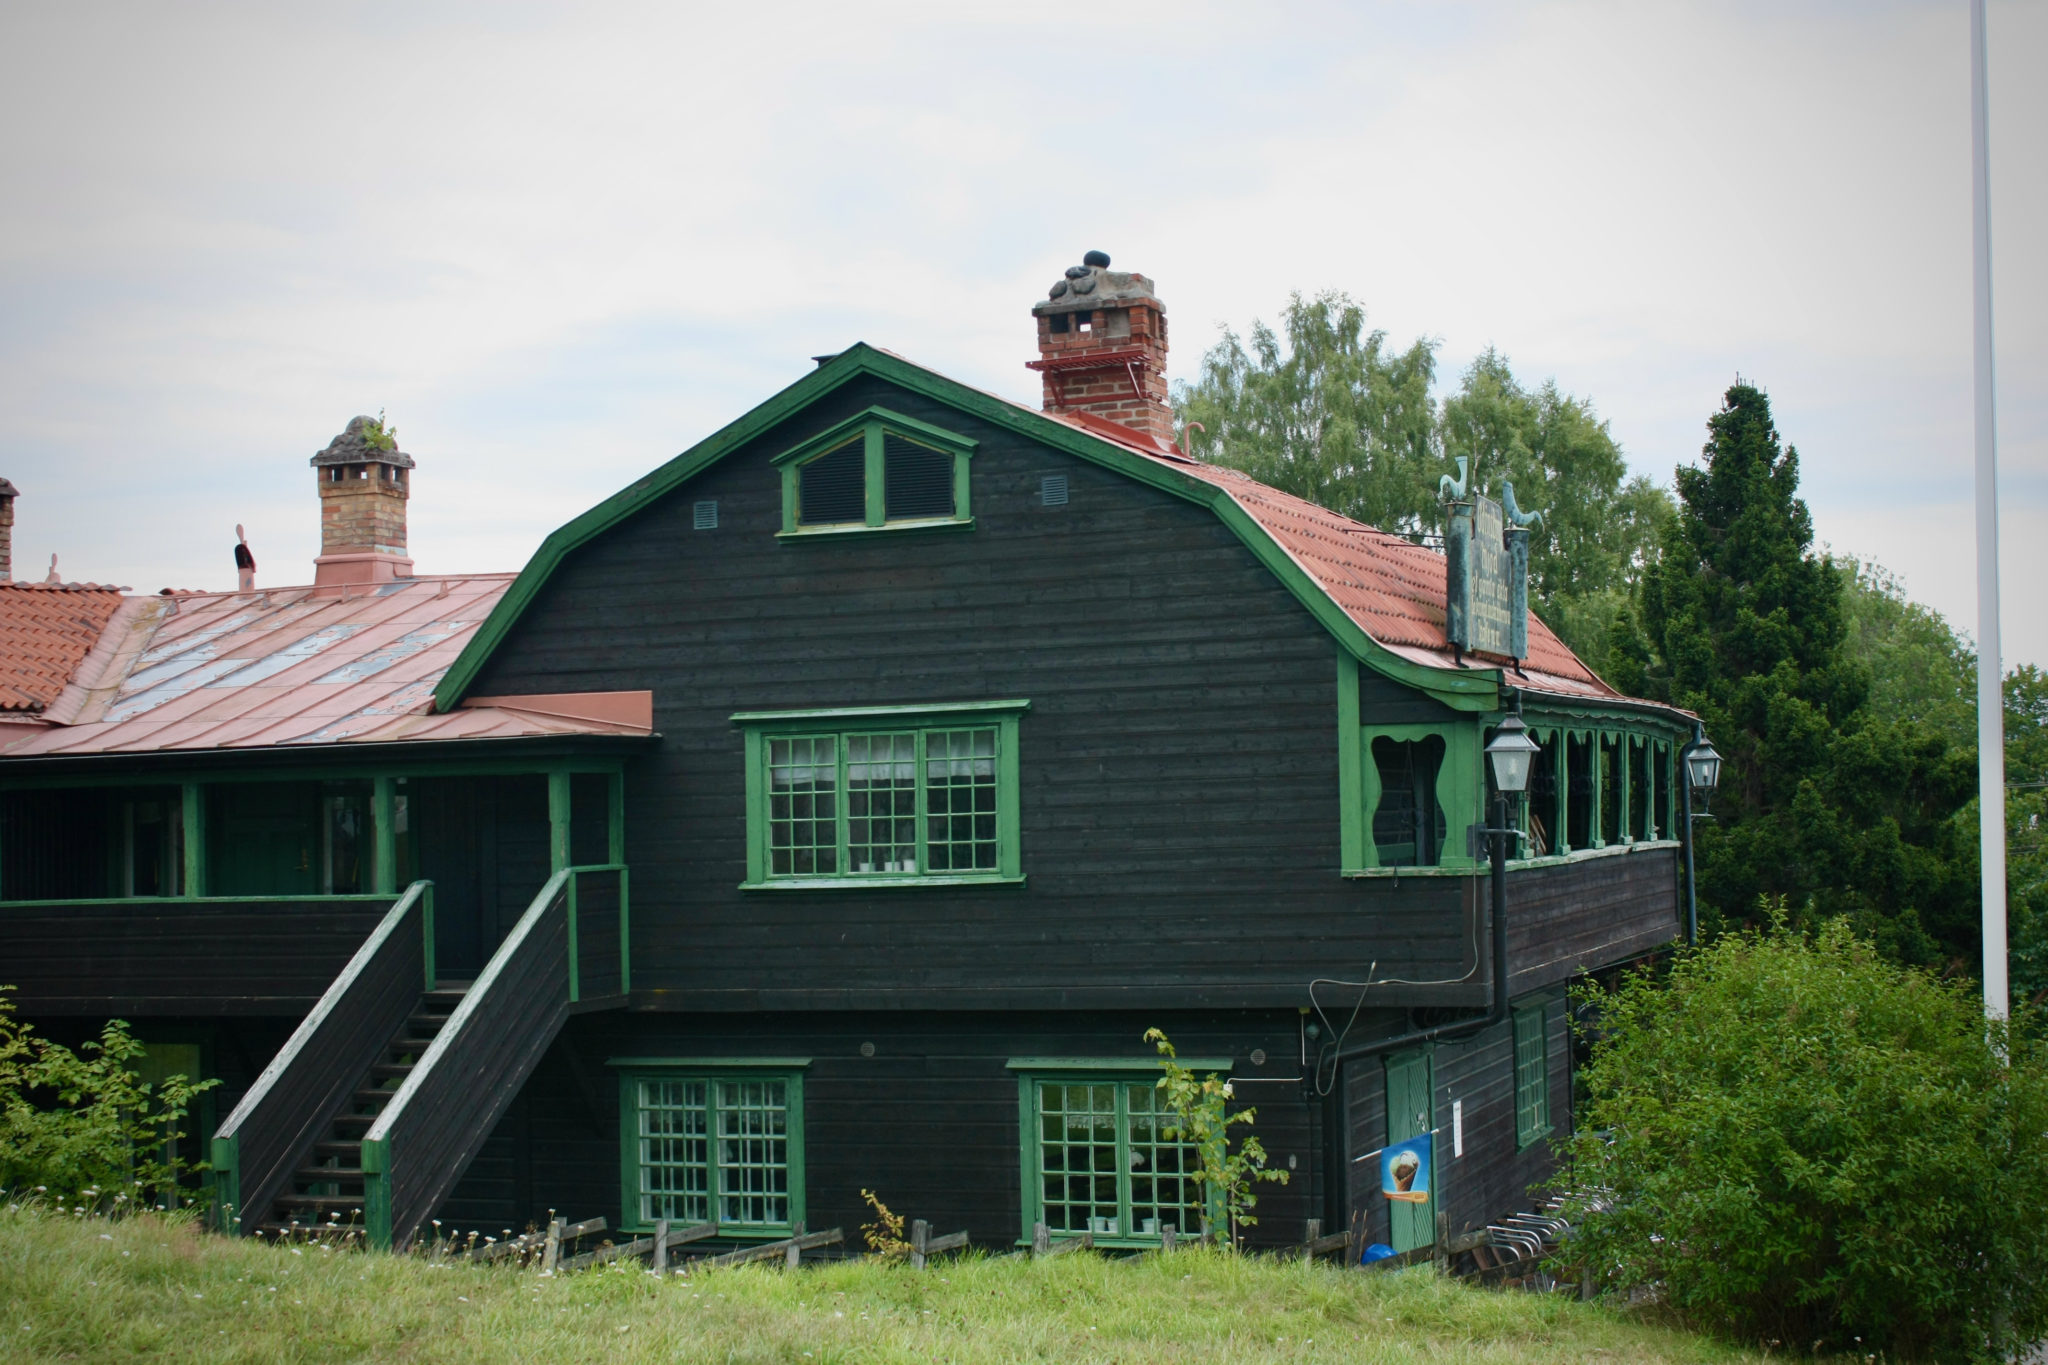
1393 588
286 667
46 630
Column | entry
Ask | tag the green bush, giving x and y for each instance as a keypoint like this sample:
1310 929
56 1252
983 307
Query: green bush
84 1128
1798 1144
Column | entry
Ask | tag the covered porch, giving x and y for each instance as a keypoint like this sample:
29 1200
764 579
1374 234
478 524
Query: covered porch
219 888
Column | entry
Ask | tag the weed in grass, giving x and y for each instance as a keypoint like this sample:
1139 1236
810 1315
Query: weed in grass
149 1285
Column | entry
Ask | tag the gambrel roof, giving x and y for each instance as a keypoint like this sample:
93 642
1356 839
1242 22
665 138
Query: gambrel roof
1380 596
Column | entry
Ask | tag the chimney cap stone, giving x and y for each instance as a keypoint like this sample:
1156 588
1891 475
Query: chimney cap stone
356 446
1092 285
7 490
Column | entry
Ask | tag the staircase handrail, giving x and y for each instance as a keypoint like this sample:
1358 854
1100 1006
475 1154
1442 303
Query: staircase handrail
525 990
255 1148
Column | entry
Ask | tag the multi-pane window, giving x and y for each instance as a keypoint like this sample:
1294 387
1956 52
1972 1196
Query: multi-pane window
876 470
934 794
1532 1075
725 1149
1099 1160
960 786
803 805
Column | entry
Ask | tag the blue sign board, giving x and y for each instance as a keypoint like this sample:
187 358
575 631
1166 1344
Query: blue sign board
1404 1170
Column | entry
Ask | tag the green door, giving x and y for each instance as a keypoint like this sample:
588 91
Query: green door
264 839
1410 1113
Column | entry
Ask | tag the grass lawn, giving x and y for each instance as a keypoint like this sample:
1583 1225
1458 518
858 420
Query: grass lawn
85 1288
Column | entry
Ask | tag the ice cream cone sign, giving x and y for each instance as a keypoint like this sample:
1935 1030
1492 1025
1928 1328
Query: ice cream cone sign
1404 1170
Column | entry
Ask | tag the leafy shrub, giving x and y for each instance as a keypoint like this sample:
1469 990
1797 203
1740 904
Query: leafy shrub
1201 1117
79 1127
884 1236
1797 1143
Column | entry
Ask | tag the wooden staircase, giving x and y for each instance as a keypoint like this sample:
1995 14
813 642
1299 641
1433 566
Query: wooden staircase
328 1190
384 1094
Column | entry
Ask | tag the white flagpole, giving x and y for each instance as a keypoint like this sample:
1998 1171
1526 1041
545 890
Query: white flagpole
1990 699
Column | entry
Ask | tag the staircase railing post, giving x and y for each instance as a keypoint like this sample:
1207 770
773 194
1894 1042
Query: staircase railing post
625 941
575 966
376 1160
427 933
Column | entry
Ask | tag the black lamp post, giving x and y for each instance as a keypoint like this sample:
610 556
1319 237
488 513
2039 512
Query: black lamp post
1510 753
1702 775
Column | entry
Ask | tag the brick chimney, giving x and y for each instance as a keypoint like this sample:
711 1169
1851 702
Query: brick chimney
365 480
1102 347
7 497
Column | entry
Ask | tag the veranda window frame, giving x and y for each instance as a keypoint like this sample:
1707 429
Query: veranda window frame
840 724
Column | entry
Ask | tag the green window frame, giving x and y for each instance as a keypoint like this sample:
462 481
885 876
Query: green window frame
883 796
1093 1154
1457 791
711 1140
878 470
1532 1075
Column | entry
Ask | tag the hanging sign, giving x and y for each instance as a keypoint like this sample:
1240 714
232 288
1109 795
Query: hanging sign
1404 1170
1481 596
1486 563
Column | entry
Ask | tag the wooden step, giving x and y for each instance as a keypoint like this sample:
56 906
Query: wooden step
355 1120
331 1175
426 1022
376 1097
391 1070
339 1149
320 1203
285 1232
412 1046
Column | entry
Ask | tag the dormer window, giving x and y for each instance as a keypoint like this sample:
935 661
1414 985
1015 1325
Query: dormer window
878 471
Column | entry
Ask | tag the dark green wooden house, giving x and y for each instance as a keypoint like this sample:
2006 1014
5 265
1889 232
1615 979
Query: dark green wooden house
835 808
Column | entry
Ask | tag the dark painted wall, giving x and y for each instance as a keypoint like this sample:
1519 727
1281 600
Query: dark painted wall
1493 1178
929 1122
1583 915
1179 770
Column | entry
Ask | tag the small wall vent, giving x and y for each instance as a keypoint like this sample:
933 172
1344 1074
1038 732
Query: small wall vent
1052 490
705 517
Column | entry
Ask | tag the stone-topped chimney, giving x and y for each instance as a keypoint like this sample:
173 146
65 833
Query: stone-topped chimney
7 497
1102 347
365 480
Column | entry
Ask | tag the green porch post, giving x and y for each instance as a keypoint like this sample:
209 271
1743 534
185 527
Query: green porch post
558 821
192 813
615 813
1350 767
384 837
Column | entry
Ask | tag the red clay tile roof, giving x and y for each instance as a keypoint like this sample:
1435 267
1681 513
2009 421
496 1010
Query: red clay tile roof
46 630
1393 588
285 667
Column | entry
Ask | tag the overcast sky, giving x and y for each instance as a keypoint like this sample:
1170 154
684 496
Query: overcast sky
560 244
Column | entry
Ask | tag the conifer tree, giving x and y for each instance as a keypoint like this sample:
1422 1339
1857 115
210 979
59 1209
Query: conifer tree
1741 621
